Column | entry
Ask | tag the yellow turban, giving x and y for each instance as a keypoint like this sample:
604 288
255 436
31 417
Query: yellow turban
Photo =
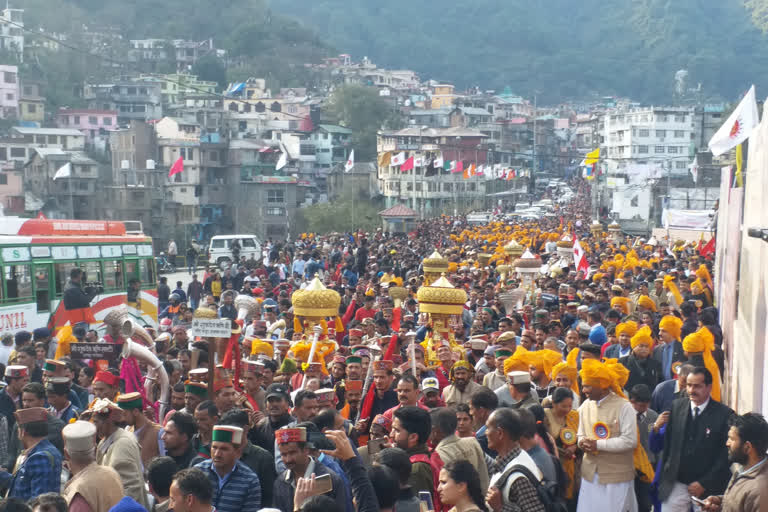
703 274
623 302
643 336
569 371
261 347
515 362
672 325
703 341
669 284
629 327
608 375
597 277
543 360
65 338
646 302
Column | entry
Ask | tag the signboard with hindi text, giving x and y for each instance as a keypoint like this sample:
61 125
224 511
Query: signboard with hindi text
212 327
108 351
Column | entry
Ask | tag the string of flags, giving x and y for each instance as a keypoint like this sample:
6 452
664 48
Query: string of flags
436 164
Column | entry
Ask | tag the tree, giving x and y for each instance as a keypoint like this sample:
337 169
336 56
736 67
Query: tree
212 69
363 111
338 216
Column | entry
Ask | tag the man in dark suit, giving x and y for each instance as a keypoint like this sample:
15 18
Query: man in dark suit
670 390
670 330
694 457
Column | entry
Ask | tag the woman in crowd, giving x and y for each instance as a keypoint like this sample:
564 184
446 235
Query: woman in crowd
460 486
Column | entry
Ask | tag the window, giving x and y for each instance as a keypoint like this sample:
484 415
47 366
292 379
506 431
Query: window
672 149
661 133
662 118
9 97
659 149
91 271
275 212
107 121
31 108
130 270
27 90
93 120
146 271
679 134
248 243
644 133
275 196
214 155
3 179
18 152
642 149
139 108
681 165
9 77
83 185
680 119
18 281
634 201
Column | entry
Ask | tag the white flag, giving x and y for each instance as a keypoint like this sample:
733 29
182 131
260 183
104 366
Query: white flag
438 161
738 127
694 168
282 161
579 258
398 159
350 161
418 161
65 171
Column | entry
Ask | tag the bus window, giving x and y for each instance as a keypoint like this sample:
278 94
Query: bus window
113 275
91 272
147 275
18 281
42 289
61 274
130 270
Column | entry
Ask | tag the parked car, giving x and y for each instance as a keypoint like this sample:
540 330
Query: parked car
220 249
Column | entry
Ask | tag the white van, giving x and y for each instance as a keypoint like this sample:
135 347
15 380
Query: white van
220 252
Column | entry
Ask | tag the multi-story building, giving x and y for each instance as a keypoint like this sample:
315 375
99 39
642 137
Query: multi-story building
181 138
174 88
441 192
12 32
131 148
360 182
9 92
64 138
443 96
183 52
31 104
332 145
93 123
72 197
139 100
12 191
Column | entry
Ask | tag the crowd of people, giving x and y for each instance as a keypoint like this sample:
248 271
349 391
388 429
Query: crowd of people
571 390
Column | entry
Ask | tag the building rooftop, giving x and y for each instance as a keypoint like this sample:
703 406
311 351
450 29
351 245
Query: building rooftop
47 131
454 131
332 128
399 210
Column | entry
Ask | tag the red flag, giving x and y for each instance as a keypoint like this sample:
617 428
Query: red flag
579 257
708 249
177 167
459 166
407 165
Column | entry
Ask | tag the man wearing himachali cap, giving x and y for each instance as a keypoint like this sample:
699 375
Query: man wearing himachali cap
40 470
93 487
118 448
236 487
294 452
16 377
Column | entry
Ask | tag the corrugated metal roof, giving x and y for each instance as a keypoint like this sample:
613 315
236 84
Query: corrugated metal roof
399 210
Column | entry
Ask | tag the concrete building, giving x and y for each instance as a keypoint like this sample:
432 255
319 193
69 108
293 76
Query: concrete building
93 123
9 92
133 100
332 145
181 138
174 88
64 138
433 191
12 32
12 190
443 96
266 206
131 148
73 197
360 183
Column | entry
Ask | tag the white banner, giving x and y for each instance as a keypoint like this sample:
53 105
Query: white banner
212 327
687 219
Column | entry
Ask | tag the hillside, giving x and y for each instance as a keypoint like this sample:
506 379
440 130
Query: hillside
562 48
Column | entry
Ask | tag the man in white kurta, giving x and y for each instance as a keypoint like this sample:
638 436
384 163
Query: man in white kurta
608 436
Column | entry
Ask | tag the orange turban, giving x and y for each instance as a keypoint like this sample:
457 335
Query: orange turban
515 362
672 325
669 284
543 360
569 371
642 337
629 327
646 302
623 302
261 347
703 341
608 375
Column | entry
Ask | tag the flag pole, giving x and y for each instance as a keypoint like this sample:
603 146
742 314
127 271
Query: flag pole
71 197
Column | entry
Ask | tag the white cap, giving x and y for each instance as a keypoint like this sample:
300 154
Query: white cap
518 377
79 437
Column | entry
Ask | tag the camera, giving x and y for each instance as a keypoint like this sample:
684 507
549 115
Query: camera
93 288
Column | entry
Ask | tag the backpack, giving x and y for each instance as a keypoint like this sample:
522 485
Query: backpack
548 492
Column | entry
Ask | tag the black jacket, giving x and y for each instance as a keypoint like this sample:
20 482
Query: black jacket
696 453
284 489
261 462
646 372
75 297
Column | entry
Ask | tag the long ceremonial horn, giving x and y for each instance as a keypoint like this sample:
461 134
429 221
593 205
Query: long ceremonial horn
156 370
280 324
247 307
